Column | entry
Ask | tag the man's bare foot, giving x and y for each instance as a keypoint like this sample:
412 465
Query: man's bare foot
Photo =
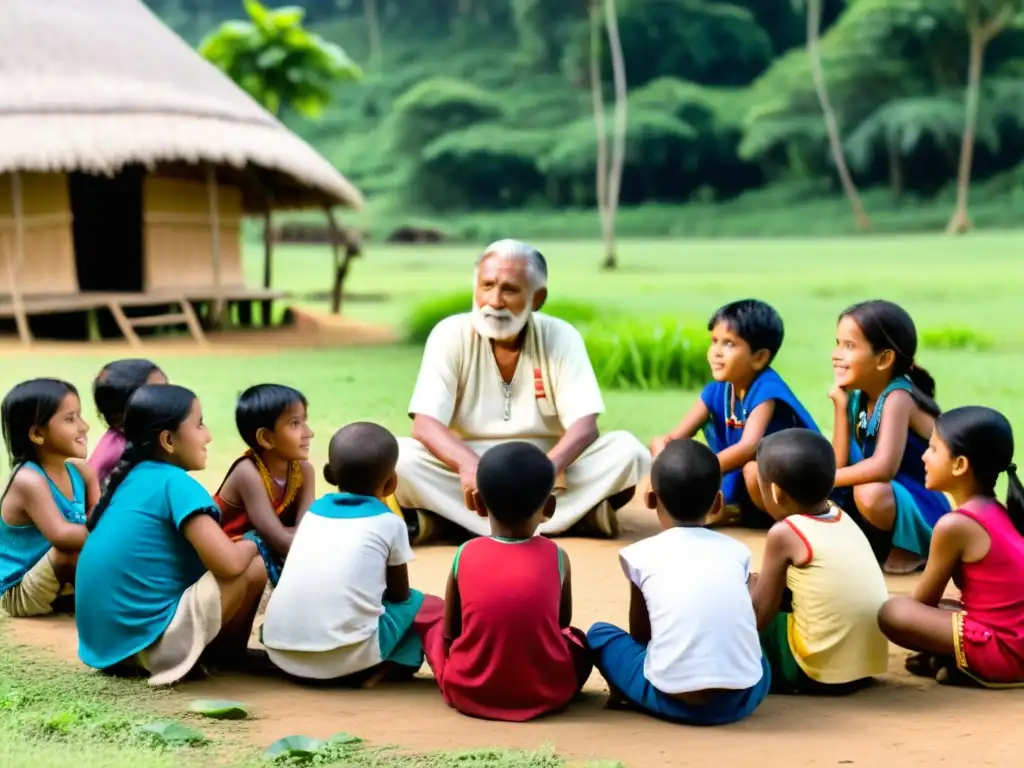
376 678
727 515
901 562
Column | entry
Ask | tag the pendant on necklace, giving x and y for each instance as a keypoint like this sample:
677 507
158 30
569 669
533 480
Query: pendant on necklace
507 386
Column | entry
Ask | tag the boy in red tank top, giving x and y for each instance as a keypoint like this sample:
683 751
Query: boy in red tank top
506 650
980 546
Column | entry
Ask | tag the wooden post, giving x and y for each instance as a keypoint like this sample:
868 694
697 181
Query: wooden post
338 278
14 264
217 308
268 257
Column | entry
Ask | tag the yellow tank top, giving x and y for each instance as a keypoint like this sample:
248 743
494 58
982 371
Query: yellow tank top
833 630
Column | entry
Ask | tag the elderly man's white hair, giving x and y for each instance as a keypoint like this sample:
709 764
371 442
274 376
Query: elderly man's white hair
536 265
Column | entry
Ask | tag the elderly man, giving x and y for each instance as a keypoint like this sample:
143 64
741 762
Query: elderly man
506 372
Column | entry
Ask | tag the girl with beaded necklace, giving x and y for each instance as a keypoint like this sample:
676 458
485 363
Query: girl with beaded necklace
268 489
884 415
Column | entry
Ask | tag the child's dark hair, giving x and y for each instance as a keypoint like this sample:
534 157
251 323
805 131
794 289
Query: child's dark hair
754 321
984 437
687 477
117 381
361 458
29 405
515 480
801 462
259 407
152 410
888 326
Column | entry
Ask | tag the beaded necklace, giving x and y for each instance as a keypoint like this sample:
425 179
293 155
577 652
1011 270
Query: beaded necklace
292 485
731 419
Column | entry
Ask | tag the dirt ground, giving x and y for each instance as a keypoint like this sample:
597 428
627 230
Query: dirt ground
901 721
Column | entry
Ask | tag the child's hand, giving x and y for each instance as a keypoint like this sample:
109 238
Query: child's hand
658 445
838 395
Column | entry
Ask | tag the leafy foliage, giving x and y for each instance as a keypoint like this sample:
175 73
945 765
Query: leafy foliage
648 356
219 709
277 61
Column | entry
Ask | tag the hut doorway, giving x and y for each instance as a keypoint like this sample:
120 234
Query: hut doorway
107 231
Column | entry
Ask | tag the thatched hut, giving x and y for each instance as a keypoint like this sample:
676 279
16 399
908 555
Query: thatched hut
127 163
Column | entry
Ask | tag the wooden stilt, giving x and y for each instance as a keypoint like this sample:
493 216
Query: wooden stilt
268 258
14 264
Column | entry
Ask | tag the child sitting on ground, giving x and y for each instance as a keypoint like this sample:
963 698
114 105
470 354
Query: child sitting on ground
51 488
824 639
884 415
506 650
266 491
980 546
691 654
746 401
343 611
117 381
160 587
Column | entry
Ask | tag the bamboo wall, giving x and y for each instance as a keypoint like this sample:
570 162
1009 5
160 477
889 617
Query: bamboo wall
178 235
49 265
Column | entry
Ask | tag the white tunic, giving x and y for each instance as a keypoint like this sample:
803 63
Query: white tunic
554 385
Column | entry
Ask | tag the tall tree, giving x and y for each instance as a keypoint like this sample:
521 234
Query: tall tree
982 31
597 98
277 61
618 158
860 216
373 27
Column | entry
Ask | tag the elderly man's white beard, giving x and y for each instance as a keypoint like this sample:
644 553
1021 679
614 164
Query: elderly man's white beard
499 324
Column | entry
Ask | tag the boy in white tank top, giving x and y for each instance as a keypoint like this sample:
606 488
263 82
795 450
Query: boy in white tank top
828 641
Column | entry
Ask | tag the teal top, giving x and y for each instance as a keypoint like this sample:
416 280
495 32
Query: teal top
22 546
136 564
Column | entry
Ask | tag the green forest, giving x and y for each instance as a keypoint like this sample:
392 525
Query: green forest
478 115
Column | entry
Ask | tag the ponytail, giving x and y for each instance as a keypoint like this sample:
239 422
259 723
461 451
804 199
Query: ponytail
129 460
1015 498
923 390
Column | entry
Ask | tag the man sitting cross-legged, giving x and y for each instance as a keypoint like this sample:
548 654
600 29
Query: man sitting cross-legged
506 372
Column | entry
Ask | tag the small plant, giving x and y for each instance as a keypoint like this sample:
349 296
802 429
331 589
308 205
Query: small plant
426 315
955 337
219 709
648 355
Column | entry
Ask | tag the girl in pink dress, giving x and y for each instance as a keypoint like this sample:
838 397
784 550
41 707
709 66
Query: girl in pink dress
980 547
117 382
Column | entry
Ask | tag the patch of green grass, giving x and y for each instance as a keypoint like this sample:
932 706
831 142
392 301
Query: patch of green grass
955 337
53 715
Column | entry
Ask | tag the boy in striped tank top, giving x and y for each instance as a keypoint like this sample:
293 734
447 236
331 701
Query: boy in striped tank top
826 640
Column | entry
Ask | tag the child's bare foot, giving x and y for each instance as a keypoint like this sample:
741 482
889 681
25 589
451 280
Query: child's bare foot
901 562
921 664
376 678
617 701
727 515
951 675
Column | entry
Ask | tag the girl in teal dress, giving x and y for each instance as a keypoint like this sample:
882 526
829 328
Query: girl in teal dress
884 415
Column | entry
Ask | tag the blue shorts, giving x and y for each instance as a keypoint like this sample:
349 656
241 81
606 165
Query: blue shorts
620 660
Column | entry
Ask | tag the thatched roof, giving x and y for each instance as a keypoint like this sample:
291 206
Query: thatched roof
94 85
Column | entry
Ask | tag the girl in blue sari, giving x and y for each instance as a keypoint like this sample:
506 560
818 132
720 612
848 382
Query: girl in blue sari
885 411
745 401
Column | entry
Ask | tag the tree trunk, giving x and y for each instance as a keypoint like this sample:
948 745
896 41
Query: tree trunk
373 24
611 20
981 36
597 98
860 216
896 176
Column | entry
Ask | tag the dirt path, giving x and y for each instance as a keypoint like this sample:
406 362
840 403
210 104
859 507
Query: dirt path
901 721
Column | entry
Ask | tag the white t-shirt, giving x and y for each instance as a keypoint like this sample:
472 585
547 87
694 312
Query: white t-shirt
703 628
322 617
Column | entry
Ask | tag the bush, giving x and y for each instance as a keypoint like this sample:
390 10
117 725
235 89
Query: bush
426 315
955 337
647 355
